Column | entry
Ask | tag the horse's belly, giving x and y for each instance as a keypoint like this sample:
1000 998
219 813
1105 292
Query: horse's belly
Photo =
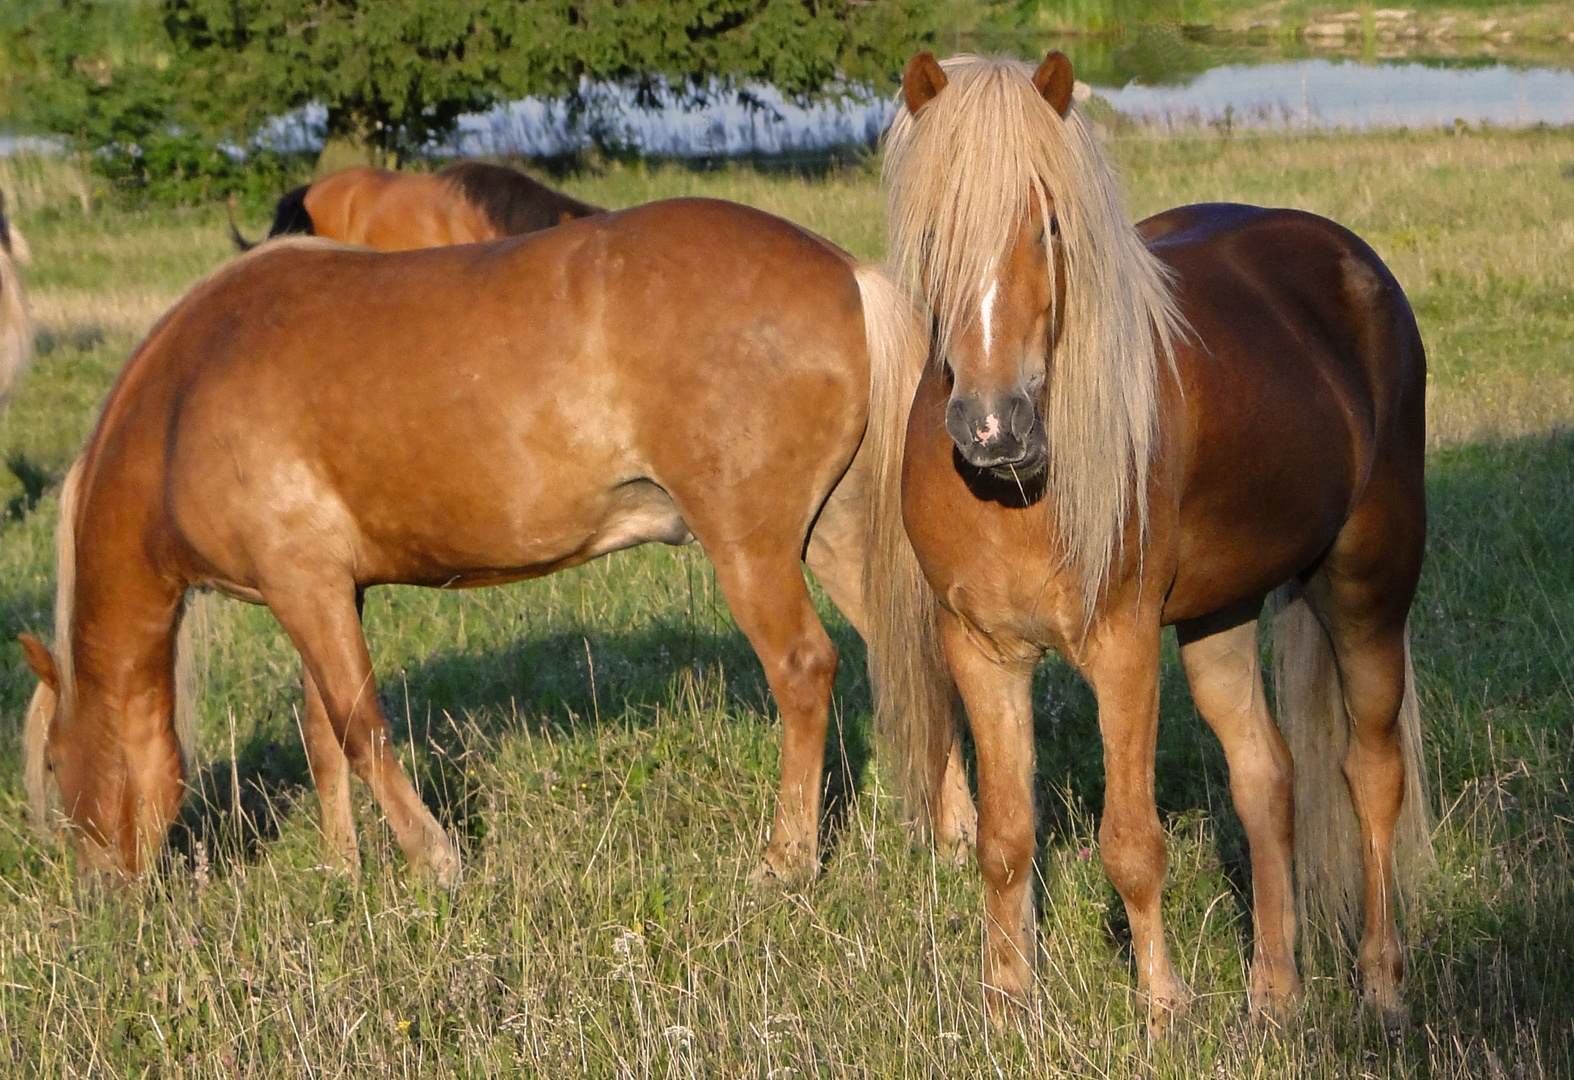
523 540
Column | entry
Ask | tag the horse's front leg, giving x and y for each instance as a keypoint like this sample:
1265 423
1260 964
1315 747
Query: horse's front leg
997 688
1123 666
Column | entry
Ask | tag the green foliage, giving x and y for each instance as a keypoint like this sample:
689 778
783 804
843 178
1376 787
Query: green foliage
161 84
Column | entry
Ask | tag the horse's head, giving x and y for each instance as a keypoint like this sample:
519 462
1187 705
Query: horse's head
997 311
118 799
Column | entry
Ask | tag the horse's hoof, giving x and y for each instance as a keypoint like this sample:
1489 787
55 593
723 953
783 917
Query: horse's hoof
1166 1007
1385 1004
953 851
444 865
1273 1005
778 873
1273 1013
1006 1007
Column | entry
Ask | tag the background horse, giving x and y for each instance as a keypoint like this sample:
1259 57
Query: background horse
16 325
313 420
1126 429
394 211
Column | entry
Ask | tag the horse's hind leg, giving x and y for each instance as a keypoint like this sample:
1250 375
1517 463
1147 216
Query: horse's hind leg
837 557
769 598
331 774
1225 672
1363 592
322 620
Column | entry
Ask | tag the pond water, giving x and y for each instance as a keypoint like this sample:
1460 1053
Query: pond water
1161 77
1346 93
1200 89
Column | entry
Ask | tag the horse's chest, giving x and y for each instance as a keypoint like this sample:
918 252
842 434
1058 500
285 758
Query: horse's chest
992 565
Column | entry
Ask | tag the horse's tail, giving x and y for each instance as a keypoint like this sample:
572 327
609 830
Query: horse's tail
241 243
912 686
1312 715
290 217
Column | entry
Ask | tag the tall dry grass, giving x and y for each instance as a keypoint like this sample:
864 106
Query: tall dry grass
603 744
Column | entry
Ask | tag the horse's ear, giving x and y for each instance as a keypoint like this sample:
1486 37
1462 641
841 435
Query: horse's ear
922 79
1054 81
40 660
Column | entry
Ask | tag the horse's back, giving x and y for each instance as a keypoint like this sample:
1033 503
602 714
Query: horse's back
1302 382
518 405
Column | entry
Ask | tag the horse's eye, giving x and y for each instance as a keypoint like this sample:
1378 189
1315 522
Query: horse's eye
1054 225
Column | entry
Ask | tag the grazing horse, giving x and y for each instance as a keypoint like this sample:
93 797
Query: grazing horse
394 211
16 325
1124 429
314 420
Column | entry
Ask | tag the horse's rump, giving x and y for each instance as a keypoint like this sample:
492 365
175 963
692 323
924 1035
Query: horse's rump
513 202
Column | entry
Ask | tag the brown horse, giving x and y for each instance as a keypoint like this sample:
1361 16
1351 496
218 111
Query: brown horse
314 420
1125 429
394 211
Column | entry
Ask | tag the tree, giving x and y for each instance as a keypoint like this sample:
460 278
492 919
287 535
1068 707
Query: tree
397 74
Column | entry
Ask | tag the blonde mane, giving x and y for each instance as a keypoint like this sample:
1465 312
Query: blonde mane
961 175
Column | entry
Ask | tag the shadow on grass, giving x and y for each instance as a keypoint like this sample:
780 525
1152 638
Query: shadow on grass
449 705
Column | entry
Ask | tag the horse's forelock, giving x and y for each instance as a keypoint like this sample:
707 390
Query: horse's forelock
962 174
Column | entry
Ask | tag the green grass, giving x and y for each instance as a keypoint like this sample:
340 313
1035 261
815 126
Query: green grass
603 744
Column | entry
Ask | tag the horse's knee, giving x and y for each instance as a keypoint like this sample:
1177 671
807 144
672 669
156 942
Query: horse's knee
806 672
1134 858
1005 852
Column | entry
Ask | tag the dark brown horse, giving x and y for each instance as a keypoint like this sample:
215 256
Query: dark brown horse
394 211
1126 429
313 420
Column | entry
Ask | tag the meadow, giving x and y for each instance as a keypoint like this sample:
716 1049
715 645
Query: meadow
603 744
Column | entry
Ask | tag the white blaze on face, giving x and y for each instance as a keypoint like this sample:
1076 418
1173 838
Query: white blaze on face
986 316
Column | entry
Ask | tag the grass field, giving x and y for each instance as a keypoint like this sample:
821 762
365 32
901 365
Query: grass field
603 744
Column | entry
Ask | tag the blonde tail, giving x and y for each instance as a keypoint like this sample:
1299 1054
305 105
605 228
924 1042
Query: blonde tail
195 630
913 693
1312 716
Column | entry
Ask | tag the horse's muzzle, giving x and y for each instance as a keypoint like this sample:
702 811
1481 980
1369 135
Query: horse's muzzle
1002 434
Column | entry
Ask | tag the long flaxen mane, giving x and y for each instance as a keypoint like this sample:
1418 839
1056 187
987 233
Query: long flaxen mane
961 176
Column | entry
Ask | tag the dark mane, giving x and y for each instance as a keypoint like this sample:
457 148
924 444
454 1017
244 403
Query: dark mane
513 201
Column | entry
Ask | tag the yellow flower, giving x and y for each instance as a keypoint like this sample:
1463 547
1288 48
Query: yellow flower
404 1025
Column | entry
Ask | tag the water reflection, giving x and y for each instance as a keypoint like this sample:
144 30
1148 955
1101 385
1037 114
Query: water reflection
1349 94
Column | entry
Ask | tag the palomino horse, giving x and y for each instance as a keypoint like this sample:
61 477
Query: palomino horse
394 211
1125 429
16 325
314 420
